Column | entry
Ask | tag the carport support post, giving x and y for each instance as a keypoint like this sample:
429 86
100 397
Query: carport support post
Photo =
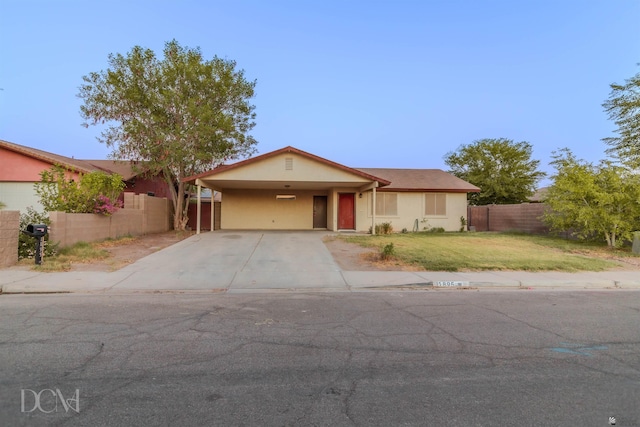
373 212
213 211
199 210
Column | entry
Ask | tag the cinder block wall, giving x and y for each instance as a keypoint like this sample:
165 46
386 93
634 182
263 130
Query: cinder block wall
142 214
159 214
523 217
9 233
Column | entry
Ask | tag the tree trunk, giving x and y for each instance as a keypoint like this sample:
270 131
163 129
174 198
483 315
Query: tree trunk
178 213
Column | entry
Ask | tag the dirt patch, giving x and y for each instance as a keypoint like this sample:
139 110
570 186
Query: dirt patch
127 250
626 263
353 257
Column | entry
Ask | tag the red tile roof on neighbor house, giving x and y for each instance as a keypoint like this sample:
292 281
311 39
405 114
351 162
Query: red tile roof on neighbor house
421 180
126 169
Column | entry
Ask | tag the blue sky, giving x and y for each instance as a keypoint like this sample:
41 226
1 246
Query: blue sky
363 83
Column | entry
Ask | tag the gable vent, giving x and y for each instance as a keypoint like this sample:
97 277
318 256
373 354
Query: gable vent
288 163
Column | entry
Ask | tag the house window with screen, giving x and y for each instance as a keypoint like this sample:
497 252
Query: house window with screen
435 204
387 204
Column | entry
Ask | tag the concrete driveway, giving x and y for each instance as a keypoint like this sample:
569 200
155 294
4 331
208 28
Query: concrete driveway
244 261
238 260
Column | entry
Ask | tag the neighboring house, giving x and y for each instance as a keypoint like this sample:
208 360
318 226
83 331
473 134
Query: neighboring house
208 212
289 189
539 195
20 168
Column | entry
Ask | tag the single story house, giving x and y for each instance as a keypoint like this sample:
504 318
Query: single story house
289 189
20 168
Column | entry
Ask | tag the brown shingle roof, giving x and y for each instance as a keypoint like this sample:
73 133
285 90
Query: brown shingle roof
125 168
421 180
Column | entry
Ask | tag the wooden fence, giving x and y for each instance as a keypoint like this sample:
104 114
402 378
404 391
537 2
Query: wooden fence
525 217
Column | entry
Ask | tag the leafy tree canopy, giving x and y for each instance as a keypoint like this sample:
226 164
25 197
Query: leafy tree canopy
95 192
503 170
593 201
181 115
623 107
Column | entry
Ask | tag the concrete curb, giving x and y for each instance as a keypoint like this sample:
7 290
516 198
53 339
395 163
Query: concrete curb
107 284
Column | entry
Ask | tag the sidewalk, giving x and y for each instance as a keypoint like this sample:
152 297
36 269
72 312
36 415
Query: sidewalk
131 279
258 261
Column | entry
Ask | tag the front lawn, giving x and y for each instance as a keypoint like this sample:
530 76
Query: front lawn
493 251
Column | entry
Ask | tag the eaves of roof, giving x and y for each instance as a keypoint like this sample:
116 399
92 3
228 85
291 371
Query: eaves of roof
289 149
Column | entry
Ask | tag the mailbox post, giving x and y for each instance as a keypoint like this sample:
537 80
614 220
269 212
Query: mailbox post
37 231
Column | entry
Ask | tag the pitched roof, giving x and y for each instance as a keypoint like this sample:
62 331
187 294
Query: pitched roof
421 180
539 195
125 169
288 149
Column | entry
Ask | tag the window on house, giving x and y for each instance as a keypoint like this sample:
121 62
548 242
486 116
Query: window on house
435 204
387 204
288 163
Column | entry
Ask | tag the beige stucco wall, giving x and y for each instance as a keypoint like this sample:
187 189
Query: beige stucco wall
9 230
259 209
411 206
304 170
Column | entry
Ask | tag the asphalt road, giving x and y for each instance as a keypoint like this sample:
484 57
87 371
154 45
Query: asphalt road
446 358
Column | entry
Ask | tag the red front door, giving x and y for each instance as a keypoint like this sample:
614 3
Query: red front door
346 209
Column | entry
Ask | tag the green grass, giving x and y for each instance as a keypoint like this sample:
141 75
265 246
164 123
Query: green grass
493 251
81 252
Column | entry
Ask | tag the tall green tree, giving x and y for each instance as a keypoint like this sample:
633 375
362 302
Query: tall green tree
601 201
623 107
181 115
503 170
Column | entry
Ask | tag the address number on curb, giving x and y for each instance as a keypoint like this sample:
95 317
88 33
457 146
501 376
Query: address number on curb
450 284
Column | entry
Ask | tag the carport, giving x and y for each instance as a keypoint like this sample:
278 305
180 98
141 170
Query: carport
289 189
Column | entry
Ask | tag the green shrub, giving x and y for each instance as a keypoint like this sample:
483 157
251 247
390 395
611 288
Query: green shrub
94 192
463 224
388 251
27 244
436 230
384 228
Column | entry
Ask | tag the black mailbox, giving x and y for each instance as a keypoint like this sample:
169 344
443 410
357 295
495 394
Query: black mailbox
36 230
